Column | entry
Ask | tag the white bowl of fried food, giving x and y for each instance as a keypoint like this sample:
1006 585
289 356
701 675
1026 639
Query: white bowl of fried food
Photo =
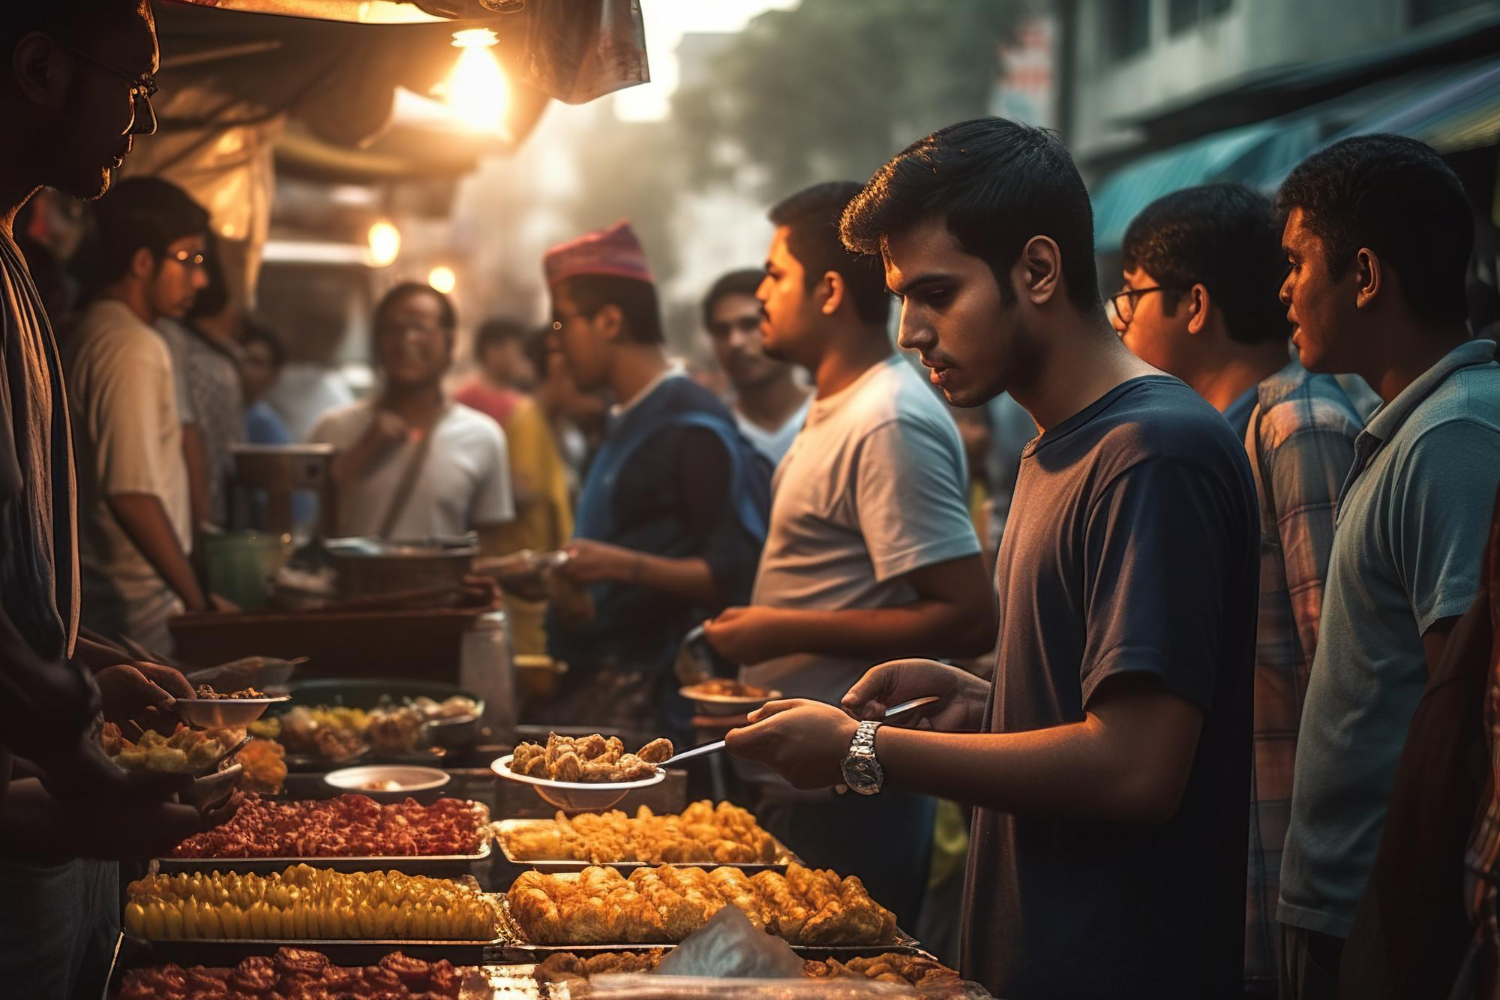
214 710
722 696
585 772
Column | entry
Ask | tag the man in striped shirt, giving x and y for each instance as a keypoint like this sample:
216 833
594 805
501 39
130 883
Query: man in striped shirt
1199 300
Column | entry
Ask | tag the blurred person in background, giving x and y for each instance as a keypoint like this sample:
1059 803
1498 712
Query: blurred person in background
135 509
205 354
1202 270
261 361
870 549
411 462
577 418
673 511
768 403
501 389
73 94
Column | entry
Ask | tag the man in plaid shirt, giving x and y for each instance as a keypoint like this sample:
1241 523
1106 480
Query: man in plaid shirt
1201 273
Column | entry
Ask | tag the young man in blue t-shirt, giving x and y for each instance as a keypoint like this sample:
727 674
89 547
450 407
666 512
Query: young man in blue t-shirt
1111 761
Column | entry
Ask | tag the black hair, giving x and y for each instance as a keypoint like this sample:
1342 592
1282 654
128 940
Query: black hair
254 332
496 331
447 317
811 217
743 282
635 299
996 183
1224 237
1397 197
142 213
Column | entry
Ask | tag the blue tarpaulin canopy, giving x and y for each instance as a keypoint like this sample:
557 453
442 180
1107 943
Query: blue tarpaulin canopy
1450 108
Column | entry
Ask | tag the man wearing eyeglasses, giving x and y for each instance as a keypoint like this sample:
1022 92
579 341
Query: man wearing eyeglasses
134 506
1202 269
769 406
68 116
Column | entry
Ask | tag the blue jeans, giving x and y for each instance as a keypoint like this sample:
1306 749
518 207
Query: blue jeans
59 924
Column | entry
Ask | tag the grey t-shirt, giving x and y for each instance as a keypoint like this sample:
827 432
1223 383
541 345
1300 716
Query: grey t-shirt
872 489
1132 548
1412 521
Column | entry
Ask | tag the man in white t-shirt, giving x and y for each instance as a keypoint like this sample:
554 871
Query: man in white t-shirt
134 511
871 552
412 463
769 405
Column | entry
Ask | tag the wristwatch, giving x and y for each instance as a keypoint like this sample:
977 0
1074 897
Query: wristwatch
862 771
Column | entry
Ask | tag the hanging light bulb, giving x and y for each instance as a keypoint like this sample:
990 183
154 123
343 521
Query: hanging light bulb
477 90
385 243
442 279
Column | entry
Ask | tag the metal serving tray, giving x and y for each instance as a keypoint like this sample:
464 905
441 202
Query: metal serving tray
440 865
343 951
514 947
784 856
493 981
449 865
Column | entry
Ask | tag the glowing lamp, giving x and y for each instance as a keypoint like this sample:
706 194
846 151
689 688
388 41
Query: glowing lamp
476 90
385 244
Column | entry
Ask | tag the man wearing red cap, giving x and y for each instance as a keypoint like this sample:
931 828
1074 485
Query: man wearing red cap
673 512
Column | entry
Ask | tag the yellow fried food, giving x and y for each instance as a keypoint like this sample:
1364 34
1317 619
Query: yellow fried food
702 833
592 758
663 905
304 903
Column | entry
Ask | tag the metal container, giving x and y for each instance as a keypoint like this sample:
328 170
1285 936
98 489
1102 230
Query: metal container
784 856
374 567
271 474
435 865
486 667
514 947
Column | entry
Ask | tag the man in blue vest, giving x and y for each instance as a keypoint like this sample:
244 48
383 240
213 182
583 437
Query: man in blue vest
674 508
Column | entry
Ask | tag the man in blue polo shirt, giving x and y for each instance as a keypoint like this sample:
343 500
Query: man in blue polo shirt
1378 235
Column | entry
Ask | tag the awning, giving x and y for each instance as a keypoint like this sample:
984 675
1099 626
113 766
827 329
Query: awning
1243 154
1450 108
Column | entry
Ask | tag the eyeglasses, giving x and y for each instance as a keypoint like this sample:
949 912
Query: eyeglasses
744 324
143 88
1121 305
188 259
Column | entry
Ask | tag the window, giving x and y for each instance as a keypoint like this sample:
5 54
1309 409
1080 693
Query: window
1127 26
1185 14
1431 10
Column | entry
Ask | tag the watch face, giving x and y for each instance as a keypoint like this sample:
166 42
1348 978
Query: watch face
862 775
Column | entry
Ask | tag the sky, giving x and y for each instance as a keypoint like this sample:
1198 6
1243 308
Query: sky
666 21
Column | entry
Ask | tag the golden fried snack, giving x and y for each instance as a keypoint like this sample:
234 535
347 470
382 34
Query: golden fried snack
592 758
701 834
663 905
303 902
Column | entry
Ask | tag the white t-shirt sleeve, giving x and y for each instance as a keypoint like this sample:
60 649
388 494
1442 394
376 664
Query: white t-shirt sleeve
911 497
130 389
493 500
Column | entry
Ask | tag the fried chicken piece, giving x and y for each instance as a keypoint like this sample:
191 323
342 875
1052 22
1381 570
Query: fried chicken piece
592 747
655 752
632 768
568 768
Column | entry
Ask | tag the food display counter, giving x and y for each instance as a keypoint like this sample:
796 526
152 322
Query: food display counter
477 887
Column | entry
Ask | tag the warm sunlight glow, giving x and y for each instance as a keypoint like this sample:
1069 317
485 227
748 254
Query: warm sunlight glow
477 90
385 244
442 279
